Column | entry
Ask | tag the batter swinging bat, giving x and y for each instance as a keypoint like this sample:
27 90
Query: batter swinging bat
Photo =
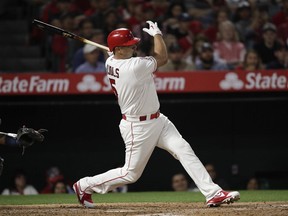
9 134
67 34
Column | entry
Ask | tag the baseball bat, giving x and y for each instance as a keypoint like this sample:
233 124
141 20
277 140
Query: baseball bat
9 134
64 33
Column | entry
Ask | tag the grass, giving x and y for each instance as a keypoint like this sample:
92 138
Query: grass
246 196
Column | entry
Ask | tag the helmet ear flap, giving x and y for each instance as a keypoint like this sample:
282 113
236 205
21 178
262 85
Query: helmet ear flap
121 37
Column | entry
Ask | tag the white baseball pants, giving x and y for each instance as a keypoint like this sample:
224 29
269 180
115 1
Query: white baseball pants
141 137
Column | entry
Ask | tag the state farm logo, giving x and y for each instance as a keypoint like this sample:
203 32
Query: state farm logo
231 81
254 81
89 83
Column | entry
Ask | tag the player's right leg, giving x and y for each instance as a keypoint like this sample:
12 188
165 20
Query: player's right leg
140 140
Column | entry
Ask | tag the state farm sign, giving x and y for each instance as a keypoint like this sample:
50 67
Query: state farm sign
254 81
33 84
259 81
169 82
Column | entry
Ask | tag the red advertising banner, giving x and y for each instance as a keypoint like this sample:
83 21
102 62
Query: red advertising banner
169 82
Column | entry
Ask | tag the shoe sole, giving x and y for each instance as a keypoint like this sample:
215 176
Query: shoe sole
227 201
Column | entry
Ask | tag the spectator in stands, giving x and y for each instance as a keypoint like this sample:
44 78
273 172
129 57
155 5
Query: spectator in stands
57 8
207 61
194 28
92 63
171 21
169 39
253 184
266 48
60 187
281 16
110 21
176 62
136 15
160 7
180 182
60 45
228 47
243 19
125 9
212 30
204 10
193 58
20 185
97 37
54 175
252 61
98 17
281 61
84 29
92 9
183 28
253 32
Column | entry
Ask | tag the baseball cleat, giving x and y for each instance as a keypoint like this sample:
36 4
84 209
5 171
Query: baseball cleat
83 198
223 197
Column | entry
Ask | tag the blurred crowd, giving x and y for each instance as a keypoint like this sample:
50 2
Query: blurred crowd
56 182
199 34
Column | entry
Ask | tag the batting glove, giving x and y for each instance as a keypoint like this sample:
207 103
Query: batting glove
153 29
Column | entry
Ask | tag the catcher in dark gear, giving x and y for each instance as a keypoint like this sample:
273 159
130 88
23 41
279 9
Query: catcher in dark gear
24 138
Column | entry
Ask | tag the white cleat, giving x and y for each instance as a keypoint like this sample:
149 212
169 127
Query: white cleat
223 197
83 198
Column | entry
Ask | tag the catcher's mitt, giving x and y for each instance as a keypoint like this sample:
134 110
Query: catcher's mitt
28 136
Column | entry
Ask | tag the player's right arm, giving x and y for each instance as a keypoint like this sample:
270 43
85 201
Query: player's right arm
160 50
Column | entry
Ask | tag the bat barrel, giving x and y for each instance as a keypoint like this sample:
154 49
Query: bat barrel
56 30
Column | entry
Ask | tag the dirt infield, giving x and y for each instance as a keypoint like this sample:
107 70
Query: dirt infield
150 209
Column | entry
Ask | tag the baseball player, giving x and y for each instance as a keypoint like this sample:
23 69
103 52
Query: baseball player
142 126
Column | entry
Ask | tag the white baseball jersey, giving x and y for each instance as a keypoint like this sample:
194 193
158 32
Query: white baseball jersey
133 84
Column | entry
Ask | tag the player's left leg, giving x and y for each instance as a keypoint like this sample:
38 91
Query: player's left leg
172 141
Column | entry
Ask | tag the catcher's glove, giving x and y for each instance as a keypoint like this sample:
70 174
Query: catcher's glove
28 136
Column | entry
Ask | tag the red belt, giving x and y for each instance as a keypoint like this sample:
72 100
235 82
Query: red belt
145 117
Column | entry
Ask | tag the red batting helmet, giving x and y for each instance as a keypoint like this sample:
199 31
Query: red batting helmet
121 37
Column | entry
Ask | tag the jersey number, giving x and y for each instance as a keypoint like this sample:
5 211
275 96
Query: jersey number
112 82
